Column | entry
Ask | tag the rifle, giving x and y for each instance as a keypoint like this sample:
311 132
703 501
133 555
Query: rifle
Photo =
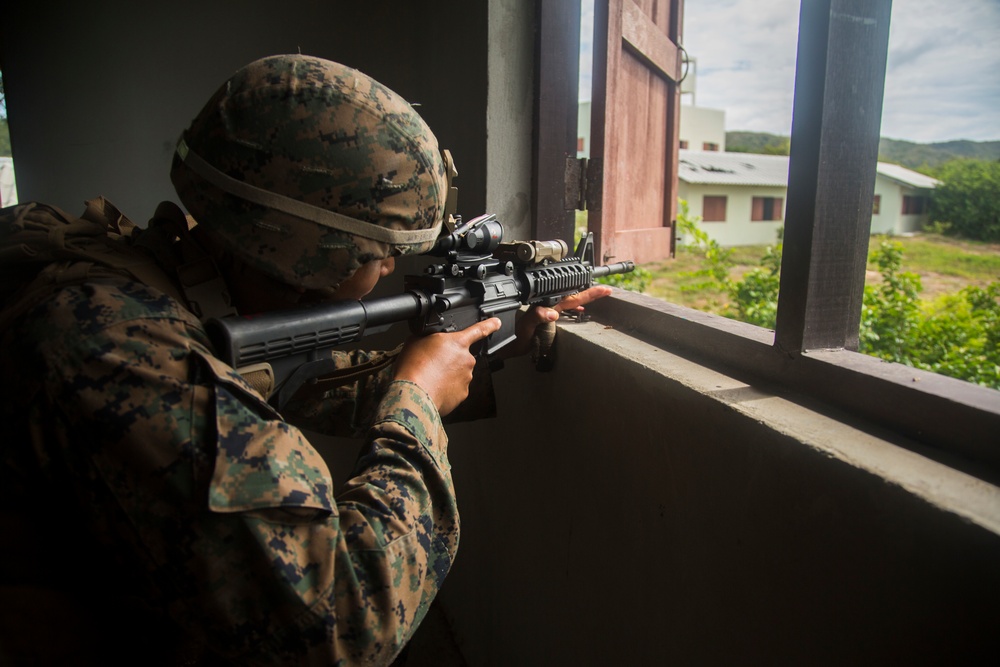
481 277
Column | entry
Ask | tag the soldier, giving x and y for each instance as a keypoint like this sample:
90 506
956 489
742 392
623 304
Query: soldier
155 505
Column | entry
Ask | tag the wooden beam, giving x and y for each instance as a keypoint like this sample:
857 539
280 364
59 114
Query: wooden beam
557 76
649 42
839 83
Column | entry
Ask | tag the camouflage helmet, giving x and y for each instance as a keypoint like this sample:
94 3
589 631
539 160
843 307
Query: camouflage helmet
305 169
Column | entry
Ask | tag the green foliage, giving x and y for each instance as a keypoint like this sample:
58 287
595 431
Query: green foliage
889 310
755 297
957 335
718 260
967 201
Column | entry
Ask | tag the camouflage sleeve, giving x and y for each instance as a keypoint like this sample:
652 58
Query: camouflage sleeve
220 513
365 572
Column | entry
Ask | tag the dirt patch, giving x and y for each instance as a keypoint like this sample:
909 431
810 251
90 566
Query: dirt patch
933 284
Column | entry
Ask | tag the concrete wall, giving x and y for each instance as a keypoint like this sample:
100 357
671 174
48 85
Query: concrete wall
634 508
98 93
510 106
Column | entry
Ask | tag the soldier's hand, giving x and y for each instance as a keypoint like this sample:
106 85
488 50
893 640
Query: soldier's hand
441 363
536 316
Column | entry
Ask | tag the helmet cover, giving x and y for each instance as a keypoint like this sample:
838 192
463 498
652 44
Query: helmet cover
305 169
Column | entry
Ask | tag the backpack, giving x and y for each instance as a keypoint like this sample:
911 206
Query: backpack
43 248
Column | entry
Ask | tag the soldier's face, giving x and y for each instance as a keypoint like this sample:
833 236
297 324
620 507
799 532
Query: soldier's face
363 281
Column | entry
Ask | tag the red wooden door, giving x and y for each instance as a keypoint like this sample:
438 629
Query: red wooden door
634 126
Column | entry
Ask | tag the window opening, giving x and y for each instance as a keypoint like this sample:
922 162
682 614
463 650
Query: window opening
766 209
585 93
8 184
762 132
713 208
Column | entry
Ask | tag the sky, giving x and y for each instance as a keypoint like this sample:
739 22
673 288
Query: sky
942 76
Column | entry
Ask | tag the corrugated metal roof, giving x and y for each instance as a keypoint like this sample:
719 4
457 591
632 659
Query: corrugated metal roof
906 176
715 168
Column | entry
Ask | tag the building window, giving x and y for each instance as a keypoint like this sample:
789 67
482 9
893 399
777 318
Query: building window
766 208
713 208
914 205
683 144
876 204
709 146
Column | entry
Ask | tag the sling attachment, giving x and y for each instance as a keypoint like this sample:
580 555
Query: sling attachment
260 377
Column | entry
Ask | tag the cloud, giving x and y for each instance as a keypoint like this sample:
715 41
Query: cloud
943 69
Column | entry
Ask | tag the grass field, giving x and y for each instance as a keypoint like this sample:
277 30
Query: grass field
945 265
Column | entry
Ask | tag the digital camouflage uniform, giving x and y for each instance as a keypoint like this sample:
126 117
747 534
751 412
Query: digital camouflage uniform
154 505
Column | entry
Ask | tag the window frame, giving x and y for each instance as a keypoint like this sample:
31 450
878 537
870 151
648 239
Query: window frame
810 356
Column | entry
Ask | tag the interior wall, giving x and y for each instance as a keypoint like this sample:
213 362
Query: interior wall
634 508
99 92
509 116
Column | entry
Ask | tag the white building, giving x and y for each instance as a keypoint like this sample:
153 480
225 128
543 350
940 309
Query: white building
702 129
740 197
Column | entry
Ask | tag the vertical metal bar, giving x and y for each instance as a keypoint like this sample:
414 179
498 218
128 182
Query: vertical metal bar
839 83
557 84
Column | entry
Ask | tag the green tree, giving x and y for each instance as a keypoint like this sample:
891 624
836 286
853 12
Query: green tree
967 201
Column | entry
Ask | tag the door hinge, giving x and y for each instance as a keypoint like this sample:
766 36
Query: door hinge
583 184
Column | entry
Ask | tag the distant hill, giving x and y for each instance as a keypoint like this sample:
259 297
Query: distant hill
920 157
761 143
923 157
